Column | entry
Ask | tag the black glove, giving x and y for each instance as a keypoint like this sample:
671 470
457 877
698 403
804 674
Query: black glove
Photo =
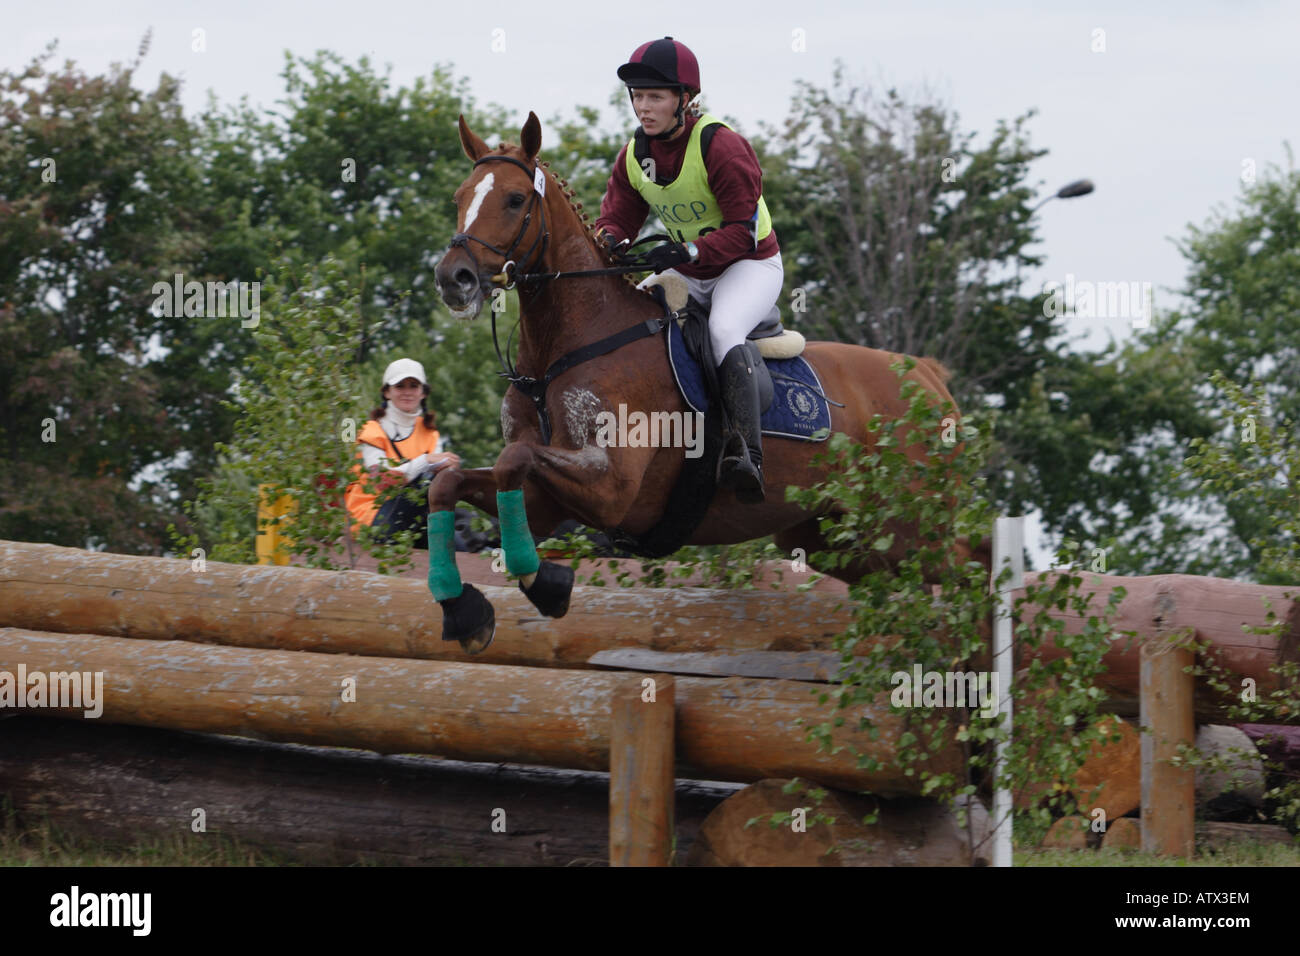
615 250
666 256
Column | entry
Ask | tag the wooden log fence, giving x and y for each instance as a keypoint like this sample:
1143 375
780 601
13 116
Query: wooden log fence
204 646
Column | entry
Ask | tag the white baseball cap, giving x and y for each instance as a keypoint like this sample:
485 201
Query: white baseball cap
403 369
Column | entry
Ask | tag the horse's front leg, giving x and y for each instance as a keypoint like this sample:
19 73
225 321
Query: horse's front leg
467 614
585 483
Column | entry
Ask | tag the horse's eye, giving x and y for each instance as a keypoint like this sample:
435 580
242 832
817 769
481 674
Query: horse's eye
516 200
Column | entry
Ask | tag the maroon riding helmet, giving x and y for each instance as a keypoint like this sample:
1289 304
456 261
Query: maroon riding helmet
663 64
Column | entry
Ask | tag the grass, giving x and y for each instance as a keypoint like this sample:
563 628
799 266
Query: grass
1232 854
47 845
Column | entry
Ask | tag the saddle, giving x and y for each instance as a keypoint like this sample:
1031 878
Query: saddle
773 340
802 414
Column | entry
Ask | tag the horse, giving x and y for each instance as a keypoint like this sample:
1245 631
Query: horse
523 222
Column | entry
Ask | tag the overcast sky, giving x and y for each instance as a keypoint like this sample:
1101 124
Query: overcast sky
1161 104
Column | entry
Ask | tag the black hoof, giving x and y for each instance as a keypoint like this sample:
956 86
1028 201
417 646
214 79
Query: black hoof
551 589
469 619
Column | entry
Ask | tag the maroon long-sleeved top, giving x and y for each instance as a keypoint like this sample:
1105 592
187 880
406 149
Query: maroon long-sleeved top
735 179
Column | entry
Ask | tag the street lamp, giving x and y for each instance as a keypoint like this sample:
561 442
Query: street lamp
1080 187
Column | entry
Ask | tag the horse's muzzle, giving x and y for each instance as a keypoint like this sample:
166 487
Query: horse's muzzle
460 285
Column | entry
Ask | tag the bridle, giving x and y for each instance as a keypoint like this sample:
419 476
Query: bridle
506 277
535 388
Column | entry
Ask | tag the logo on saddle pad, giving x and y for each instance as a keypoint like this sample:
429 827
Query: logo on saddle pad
802 403
655 430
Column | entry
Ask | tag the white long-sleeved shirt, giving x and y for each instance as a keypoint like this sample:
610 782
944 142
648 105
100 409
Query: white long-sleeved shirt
397 425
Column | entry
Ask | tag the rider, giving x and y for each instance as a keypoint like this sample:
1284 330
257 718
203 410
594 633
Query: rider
708 193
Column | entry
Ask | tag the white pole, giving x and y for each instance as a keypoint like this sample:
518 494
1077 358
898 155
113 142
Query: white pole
1008 550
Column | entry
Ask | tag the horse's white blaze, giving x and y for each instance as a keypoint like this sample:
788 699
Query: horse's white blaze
482 189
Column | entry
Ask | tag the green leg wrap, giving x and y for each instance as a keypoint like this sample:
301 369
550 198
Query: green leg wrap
516 539
444 576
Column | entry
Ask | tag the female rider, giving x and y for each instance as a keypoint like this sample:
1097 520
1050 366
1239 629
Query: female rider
703 181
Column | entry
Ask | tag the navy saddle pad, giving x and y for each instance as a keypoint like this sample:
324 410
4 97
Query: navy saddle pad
797 410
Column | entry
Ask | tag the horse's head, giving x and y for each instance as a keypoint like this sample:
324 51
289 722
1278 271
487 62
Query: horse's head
500 219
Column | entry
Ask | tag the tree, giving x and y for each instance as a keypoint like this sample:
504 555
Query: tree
1241 323
98 207
903 236
305 361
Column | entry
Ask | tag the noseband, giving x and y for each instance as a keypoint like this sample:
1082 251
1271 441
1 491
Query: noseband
506 277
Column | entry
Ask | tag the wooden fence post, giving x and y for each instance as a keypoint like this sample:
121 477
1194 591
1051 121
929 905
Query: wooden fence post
1168 719
641 771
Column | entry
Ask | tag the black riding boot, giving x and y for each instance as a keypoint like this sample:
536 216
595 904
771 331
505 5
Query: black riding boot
742 463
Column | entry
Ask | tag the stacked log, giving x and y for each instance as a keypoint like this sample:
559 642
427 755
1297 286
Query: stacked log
44 587
727 729
315 805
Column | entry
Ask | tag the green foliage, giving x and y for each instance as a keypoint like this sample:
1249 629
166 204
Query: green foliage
1123 422
906 512
95 207
906 236
1255 463
732 566
1256 459
352 168
299 408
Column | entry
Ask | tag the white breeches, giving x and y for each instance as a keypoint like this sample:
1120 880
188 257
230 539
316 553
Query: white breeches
739 299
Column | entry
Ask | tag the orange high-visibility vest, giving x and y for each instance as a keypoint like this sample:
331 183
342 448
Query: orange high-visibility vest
421 441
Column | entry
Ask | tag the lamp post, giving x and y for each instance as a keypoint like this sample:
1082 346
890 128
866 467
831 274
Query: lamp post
1080 187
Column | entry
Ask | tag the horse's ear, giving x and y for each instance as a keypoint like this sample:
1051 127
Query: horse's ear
474 147
530 137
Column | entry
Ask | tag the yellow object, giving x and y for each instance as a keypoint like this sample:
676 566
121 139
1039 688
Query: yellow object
273 519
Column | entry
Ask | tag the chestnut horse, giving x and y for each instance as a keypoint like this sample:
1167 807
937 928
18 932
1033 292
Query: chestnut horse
520 220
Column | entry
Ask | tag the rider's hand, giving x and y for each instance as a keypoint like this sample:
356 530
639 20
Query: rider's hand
444 459
605 239
666 256
609 245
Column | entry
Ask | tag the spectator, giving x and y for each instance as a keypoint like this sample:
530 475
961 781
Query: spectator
398 445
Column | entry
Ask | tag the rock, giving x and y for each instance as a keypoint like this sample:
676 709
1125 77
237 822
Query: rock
1117 769
1277 743
1235 792
910 832
1068 833
1124 833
